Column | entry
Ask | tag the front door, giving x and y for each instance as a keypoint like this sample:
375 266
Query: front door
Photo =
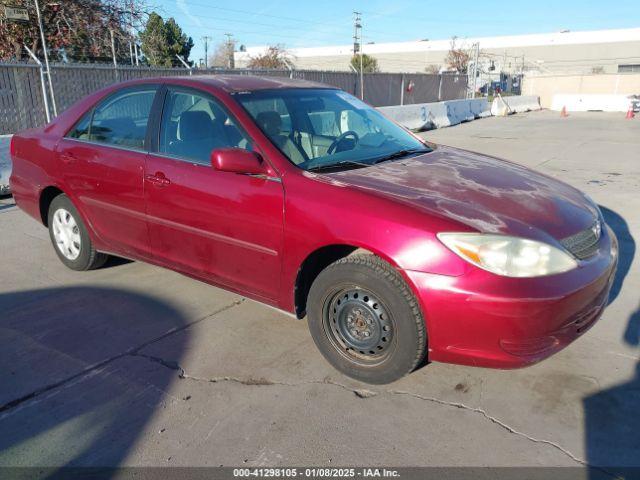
220 226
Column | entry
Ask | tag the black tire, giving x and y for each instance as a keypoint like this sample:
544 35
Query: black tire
388 339
88 257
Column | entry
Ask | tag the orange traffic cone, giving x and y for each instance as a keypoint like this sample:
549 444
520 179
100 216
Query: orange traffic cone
563 112
630 113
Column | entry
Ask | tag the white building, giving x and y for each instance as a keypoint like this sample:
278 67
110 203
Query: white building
598 51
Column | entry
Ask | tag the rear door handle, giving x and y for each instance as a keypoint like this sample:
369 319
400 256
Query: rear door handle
158 179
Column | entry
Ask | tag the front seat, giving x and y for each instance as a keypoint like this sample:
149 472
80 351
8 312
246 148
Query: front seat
198 135
270 122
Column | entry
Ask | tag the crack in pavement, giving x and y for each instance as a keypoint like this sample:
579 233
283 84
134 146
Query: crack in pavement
492 419
249 381
133 350
363 393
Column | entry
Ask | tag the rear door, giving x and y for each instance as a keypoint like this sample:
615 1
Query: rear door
102 160
220 226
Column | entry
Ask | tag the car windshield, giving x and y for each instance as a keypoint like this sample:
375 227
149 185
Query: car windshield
328 129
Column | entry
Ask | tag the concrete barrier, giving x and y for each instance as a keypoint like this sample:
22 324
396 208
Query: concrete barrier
480 107
516 104
425 116
591 102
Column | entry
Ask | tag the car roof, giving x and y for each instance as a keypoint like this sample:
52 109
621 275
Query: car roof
238 82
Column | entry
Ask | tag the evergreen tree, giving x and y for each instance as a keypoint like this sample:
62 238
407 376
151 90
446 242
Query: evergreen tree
162 41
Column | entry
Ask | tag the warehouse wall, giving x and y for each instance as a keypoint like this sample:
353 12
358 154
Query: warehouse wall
546 86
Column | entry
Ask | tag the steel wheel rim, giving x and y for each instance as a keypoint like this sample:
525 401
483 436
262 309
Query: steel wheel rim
66 234
358 325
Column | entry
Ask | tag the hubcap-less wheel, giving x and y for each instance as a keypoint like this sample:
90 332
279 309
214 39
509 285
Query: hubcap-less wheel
358 325
66 234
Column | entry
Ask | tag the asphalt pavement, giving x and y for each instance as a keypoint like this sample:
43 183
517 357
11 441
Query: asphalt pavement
139 366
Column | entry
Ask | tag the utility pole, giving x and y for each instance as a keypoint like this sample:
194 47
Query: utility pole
231 63
131 32
113 54
357 46
206 39
46 59
475 69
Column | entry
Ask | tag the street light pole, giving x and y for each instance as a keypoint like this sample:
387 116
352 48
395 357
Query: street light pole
46 59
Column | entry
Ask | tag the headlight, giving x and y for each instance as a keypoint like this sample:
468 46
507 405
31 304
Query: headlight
509 256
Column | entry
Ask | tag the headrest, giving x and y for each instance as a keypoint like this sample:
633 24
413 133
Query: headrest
270 122
195 126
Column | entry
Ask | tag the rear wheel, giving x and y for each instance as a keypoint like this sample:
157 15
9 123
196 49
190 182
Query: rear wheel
70 237
365 320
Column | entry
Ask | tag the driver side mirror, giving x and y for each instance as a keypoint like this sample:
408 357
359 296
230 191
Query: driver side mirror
237 160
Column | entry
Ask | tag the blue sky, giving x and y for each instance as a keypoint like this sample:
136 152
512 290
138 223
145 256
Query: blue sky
330 22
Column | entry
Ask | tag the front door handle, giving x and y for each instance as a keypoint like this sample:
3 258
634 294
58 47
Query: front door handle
67 157
158 179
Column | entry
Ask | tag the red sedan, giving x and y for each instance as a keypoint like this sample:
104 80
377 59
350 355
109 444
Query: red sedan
303 197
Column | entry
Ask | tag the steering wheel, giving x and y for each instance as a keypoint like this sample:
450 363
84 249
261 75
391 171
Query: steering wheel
339 139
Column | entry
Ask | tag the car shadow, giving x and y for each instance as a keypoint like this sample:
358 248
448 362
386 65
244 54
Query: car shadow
114 261
612 422
74 388
627 248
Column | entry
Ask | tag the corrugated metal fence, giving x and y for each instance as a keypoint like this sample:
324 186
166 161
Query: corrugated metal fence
22 105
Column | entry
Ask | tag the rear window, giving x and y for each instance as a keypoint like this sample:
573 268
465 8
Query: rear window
121 119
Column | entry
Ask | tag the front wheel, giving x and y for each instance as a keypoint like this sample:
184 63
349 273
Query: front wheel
365 320
70 238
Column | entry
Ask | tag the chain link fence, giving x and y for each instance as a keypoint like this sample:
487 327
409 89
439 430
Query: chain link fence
22 105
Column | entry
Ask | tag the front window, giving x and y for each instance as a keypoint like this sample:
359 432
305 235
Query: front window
194 124
326 129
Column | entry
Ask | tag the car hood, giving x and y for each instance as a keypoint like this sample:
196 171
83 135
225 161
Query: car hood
482 192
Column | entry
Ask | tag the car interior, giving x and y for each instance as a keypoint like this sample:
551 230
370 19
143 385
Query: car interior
193 126
310 126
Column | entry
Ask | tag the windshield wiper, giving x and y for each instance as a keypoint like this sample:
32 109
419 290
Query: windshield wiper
337 165
401 153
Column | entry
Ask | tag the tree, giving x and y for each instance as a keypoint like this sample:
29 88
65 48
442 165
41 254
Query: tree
275 57
457 59
369 63
432 69
74 29
222 54
162 41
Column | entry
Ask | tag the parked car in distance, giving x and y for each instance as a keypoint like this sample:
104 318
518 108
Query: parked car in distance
5 165
303 197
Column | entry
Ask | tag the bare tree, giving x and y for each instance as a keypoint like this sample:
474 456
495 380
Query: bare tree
275 57
457 59
432 69
222 54
74 29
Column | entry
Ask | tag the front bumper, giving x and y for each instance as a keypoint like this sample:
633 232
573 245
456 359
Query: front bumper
486 320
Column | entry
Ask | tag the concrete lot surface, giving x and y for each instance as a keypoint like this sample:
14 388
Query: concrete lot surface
135 365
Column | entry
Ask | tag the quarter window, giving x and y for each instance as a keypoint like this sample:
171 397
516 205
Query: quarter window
194 124
81 129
